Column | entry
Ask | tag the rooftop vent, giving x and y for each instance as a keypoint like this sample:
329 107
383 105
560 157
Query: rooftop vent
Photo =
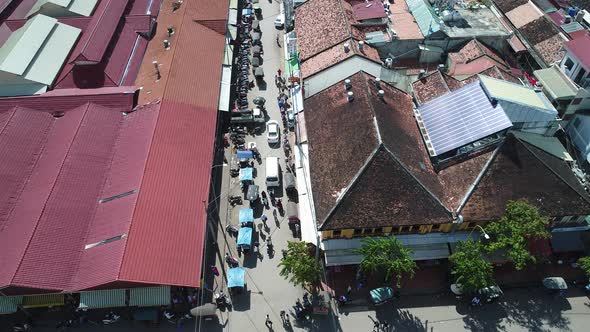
381 94
347 84
567 19
346 47
579 16
157 68
389 62
176 5
166 44
170 31
362 46
350 96
378 82
422 73
441 67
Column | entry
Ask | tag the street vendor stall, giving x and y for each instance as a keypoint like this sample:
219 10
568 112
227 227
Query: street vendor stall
244 157
252 193
246 217
246 176
236 281
244 241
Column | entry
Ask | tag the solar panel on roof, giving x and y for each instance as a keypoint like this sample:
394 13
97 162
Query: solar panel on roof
461 117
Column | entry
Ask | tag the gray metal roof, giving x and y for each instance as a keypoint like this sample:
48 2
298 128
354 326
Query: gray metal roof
461 117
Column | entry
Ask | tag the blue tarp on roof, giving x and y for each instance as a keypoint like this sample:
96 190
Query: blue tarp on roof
244 154
235 277
245 236
246 174
246 215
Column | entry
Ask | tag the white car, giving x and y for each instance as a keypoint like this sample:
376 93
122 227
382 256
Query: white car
280 22
272 132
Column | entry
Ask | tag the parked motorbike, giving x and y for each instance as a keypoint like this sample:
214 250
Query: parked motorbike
235 200
231 229
231 261
22 327
111 318
234 172
221 300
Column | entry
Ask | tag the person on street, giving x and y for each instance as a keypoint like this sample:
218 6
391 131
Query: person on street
278 42
279 72
215 270
283 316
284 254
268 322
274 214
264 218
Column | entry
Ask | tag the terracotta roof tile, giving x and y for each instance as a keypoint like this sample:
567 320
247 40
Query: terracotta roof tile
538 30
403 21
430 87
524 14
551 50
335 55
320 25
523 172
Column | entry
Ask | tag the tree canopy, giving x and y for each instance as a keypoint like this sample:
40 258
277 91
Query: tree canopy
470 269
584 265
299 267
509 235
386 255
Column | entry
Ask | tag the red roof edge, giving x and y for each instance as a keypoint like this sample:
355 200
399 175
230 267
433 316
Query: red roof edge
101 30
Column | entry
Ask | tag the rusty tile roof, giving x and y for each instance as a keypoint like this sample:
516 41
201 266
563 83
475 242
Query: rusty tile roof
539 30
523 172
403 21
551 50
337 54
508 5
320 25
430 87
524 14
334 175
474 57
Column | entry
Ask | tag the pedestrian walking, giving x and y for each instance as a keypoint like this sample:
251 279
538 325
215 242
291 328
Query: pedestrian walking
264 218
284 254
376 326
298 304
283 316
278 42
279 72
268 322
274 214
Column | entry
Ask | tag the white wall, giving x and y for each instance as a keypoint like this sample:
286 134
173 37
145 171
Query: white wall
578 130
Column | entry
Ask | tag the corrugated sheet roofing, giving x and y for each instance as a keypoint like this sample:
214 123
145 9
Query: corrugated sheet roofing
504 90
80 7
556 83
424 16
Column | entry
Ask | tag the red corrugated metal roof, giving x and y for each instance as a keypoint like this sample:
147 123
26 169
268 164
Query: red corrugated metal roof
59 169
366 10
580 47
101 29
167 234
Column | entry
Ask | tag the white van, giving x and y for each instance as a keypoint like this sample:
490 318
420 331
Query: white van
272 172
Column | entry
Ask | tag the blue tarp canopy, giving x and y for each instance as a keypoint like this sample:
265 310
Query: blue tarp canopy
245 236
235 277
246 12
244 154
246 215
246 174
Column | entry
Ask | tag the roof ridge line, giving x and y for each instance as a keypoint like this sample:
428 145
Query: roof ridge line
50 192
587 199
348 24
477 180
350 185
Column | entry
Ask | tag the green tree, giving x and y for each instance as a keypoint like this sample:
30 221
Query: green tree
584 265
386 255
469 267
509 235
299 267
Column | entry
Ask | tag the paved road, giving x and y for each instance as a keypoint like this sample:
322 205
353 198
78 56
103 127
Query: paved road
527 309
268 293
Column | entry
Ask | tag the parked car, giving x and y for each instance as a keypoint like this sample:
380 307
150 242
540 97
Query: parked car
380 296
272 132
280 22
489 294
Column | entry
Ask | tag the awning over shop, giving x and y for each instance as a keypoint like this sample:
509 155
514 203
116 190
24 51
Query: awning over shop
110 298
425 247
297 99
149 296
225 88
569 241
43 301
9 304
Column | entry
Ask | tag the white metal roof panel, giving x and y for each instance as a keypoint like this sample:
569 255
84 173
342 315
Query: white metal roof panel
461 117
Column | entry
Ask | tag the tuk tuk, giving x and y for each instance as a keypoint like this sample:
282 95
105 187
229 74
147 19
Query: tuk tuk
252 193
245 239
207 311
290 188
246 217
259 73
236 280
244 157
293 218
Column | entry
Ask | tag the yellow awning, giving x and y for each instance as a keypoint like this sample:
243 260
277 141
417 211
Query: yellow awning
43 301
